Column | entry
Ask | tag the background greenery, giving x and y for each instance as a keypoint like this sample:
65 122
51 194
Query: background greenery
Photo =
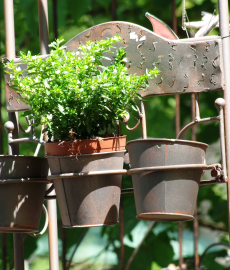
100 248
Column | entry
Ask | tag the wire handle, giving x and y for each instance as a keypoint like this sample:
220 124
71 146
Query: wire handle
45 226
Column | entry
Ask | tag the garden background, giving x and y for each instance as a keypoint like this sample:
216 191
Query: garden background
99 248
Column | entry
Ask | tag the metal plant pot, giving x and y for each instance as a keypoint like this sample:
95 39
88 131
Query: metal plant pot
22 190
167 193
87 200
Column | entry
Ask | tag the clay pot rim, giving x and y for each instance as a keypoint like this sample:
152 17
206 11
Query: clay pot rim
90 154
174 141
93 140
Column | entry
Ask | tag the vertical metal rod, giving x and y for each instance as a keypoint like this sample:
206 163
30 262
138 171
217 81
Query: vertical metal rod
114 7
122 233
180 230
51 204
43 26
18 251
10 54
224 33
143 121
195 113
174 18
55 21
197 108
222 137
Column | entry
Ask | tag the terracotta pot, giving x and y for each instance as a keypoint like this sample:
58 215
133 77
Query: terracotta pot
87 201
85 146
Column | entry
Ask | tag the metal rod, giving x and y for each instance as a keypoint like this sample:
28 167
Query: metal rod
52 232
51 204
224 33
10 54
127 190
122 233
18 251
72 175
43 26
180 230
195 111
210 182
220 103
172 167
55 20
143 121
114 7
174 18
194 123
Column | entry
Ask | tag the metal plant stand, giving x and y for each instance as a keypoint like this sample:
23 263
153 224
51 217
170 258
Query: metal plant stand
192 66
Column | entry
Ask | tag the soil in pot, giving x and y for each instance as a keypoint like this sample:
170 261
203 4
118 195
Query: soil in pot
166 195
86 201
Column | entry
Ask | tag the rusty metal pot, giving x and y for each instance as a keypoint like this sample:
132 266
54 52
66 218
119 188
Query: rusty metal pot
87 200
166 194
22 190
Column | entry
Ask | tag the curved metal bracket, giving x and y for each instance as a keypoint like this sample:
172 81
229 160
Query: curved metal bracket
29 126
45 226
128 117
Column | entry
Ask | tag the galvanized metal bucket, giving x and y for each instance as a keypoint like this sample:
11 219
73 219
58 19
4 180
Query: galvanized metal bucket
87 201
166 195
22 190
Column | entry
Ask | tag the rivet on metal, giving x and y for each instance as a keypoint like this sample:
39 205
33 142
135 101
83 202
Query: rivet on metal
130 29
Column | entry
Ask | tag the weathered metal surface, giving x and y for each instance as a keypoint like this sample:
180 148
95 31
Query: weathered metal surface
22 212
12 102
190 65
186 65
168 195
90 200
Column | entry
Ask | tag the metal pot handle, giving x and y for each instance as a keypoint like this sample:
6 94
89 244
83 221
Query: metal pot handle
45 226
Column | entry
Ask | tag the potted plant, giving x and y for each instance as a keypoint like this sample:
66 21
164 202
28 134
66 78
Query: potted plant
81 100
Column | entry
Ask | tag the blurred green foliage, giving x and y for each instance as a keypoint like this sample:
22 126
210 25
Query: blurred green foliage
157 250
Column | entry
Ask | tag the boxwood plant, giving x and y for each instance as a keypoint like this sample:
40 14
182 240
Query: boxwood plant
73 94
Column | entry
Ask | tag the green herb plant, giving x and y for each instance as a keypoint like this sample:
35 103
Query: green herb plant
73 94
